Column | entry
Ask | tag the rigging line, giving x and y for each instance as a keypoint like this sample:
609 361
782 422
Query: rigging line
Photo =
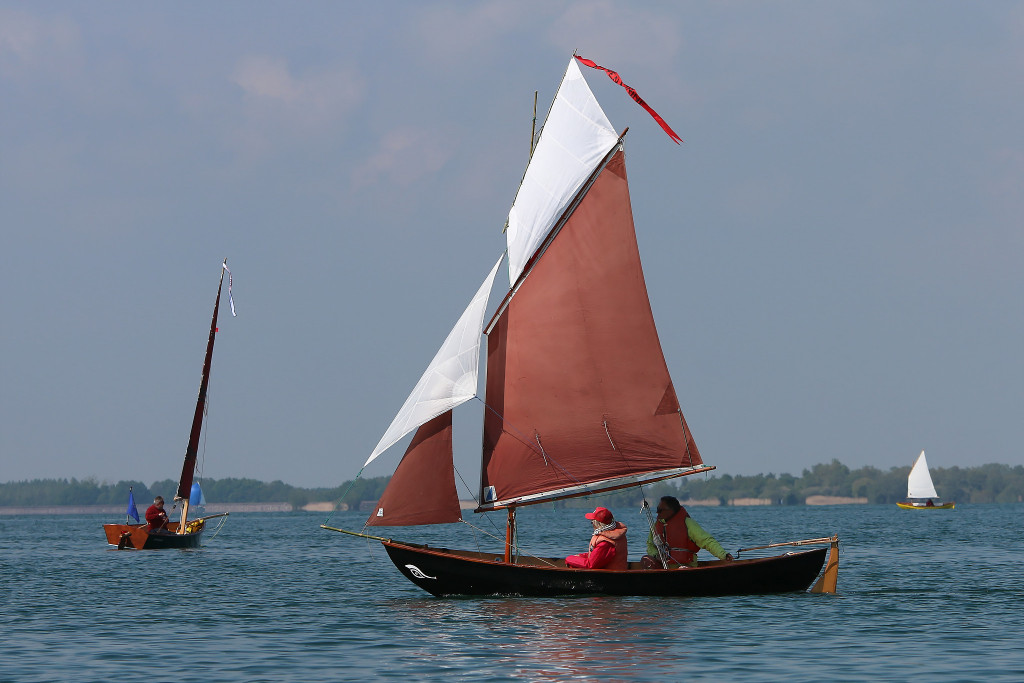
518 546
468 488
663 556
523 439
219 527
347 491
475 499
206 432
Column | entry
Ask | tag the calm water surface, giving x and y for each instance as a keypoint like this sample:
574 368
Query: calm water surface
922 596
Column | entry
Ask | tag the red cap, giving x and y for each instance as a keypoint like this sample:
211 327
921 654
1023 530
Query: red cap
603 515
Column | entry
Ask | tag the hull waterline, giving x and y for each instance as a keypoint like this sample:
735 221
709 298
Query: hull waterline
443 572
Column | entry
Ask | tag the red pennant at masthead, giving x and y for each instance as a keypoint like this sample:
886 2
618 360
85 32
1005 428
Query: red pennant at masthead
632 93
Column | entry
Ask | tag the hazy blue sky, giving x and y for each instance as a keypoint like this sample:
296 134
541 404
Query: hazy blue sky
835 255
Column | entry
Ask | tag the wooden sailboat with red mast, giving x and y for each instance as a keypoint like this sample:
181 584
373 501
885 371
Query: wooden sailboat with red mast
186 532
578 398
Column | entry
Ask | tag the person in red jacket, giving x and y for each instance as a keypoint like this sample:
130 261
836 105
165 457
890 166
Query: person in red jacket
156 516
607 544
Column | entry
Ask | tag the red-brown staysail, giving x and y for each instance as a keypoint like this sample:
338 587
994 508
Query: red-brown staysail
422 489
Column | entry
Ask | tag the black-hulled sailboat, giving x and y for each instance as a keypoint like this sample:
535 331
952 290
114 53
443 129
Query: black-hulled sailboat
186 532
578 400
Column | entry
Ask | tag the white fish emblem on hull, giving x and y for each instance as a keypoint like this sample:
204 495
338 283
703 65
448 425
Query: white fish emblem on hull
415 571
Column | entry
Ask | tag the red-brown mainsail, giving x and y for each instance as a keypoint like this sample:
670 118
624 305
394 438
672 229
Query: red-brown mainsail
577 384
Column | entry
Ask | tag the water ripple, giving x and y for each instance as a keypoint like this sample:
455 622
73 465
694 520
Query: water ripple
274 598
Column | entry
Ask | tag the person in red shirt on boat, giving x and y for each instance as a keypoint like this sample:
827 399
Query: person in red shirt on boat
680 536
607 544
156 516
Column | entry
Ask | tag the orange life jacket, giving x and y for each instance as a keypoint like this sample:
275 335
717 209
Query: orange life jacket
675 535
616 537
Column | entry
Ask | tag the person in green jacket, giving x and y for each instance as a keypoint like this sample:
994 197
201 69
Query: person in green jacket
680 536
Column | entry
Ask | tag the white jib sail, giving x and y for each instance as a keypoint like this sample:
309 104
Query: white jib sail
451 378
919 483
576 137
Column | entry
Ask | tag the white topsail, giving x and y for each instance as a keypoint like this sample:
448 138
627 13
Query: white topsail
451 378
919 483
576 137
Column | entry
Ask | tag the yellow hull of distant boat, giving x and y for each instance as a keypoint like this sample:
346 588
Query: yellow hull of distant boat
909 506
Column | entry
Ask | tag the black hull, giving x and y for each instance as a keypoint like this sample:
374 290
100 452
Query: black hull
441 572
165 541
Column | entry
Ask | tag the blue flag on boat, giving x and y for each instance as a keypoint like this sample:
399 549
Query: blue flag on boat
132 511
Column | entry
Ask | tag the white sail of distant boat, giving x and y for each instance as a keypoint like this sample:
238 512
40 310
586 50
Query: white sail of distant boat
919 483
921 493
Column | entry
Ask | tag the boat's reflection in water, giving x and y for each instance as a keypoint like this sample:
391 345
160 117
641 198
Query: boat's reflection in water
605 637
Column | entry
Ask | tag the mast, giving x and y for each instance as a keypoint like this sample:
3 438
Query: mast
192 450
510 533
510 525
533 126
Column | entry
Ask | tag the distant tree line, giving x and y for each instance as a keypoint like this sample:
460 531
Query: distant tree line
40 492
983 484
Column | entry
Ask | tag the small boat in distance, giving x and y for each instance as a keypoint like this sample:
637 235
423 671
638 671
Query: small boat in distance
921 493
184 533
578 397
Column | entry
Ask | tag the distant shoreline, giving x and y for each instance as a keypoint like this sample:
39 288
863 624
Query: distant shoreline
120 509
328 506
